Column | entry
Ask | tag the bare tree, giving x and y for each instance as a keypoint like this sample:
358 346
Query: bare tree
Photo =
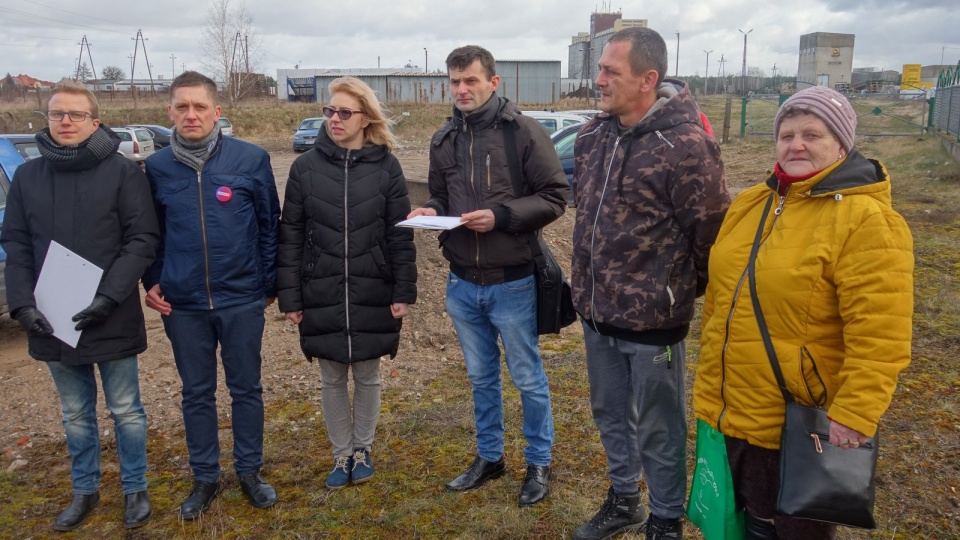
231 48
113 73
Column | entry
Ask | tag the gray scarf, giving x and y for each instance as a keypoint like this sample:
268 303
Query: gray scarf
194 154
101 144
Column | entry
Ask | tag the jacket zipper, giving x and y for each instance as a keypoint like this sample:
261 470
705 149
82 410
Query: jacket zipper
736 298
203 235
346 252
664 139
476 196
593 235
488 171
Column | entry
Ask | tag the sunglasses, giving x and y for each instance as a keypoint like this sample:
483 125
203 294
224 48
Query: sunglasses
344 114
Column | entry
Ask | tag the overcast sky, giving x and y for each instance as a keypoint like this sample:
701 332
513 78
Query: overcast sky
41 37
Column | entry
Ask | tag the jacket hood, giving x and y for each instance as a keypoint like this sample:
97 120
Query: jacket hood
369 153
855 174
674 106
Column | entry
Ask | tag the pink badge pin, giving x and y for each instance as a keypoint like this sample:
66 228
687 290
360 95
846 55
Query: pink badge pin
224 194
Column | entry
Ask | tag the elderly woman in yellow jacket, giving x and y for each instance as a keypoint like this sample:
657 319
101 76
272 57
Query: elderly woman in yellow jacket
834 277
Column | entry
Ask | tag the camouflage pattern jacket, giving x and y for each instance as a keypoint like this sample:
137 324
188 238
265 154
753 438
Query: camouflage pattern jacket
469 171
650 201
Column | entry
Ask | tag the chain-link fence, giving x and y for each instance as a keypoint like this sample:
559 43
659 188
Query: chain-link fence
945 116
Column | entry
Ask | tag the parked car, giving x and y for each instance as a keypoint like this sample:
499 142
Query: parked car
554 121
306 134
135 143
226 126
161 135
26 144
563 144
586 113
10 159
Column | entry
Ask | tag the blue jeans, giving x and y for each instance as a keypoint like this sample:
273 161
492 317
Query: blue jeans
638 400
481 313
194 336
77 386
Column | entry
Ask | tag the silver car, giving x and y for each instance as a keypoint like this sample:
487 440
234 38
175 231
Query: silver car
135 143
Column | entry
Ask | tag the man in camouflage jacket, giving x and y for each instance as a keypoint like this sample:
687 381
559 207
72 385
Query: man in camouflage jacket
650 198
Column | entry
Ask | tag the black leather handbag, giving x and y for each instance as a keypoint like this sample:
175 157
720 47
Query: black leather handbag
554 298
818 480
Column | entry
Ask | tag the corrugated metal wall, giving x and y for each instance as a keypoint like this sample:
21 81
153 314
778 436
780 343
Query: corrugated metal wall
529 81
522 81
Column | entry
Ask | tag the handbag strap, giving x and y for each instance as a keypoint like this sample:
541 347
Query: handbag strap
761 321
516 175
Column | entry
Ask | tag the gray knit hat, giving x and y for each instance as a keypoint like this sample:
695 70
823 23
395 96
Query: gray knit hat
828 105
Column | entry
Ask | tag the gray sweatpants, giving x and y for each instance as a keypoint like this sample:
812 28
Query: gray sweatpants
350 431
638 400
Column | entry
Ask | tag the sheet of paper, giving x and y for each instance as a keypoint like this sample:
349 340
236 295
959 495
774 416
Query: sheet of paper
441 223
66 286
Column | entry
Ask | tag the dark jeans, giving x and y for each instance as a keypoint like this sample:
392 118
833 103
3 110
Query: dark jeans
194 336
756 484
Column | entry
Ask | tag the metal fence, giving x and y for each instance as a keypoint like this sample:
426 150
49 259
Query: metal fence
945 116
878 115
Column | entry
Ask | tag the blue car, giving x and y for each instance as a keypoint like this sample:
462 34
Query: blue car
563 144
10 159
306 134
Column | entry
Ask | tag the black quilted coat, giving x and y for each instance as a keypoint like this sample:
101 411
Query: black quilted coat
342 260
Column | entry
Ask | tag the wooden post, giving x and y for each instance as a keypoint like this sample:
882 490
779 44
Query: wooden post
726 119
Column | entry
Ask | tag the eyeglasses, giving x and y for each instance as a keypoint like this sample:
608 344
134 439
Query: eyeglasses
76 116
344 114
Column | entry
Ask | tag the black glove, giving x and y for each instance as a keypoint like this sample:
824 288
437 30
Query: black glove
96 312
33 321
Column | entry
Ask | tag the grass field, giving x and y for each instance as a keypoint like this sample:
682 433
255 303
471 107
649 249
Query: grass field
426 438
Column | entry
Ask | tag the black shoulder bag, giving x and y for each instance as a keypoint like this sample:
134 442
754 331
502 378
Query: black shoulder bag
818 480
554 300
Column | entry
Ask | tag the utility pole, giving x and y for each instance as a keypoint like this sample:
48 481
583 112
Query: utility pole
84 43
706 72
137 41
676 72
775 78
425 68
722 75
743 71
173 66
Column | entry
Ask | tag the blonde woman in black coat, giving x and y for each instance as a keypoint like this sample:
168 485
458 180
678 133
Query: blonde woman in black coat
346 273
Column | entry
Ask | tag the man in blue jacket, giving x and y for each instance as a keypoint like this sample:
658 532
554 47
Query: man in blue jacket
215 274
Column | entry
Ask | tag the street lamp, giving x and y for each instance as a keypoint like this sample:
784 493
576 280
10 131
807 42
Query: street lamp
425 68
676 73
743 72
706 72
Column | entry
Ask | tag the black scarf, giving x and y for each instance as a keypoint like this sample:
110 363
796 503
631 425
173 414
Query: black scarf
80 157
194 154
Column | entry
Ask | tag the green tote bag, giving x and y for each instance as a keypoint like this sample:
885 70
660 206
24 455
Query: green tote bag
711 506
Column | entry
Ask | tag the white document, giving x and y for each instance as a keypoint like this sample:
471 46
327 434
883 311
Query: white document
441 223
66 287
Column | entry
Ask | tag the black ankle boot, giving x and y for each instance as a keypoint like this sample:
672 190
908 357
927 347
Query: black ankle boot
758 529
76 513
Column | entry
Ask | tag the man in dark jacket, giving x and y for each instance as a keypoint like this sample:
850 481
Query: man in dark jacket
215 273
491 291
95 203
650 198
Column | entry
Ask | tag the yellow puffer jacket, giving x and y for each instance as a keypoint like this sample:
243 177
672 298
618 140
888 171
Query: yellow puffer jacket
835 283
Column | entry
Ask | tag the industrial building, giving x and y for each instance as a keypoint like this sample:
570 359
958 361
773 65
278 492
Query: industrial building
583 53
826 59
521 81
